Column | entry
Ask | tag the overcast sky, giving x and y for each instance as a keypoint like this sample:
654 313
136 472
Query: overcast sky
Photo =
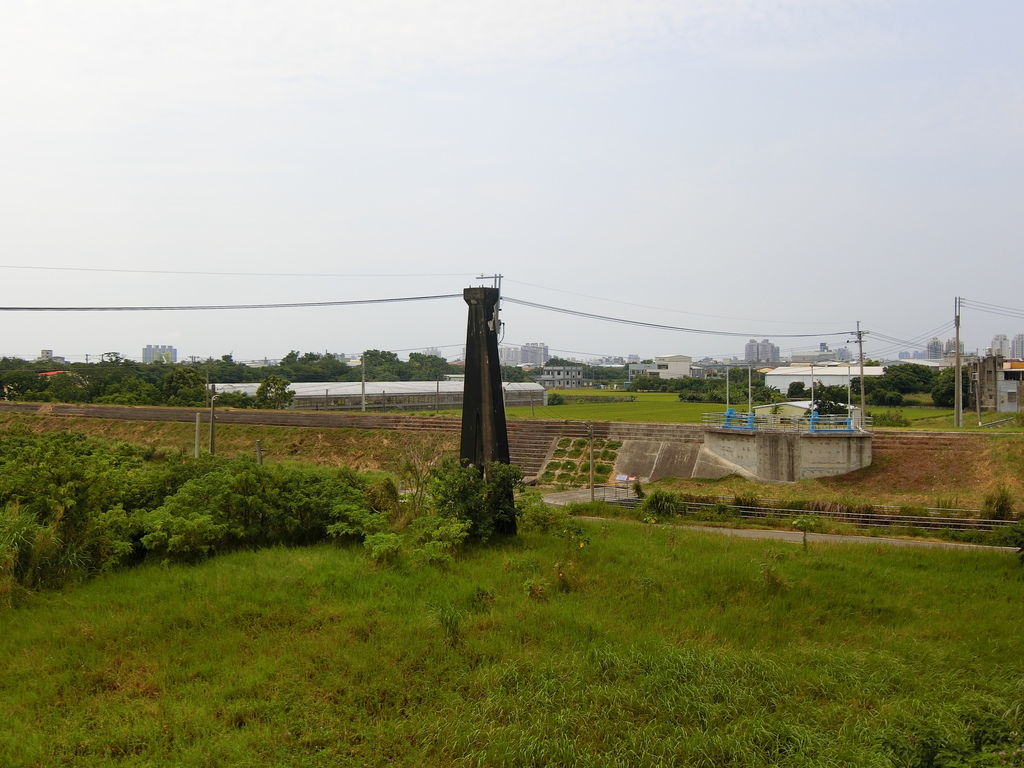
752 166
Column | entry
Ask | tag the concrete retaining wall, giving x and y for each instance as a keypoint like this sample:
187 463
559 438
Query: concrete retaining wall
783 457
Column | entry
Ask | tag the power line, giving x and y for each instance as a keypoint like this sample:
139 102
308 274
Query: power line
644 324
649 306
994 309
203 307
228 274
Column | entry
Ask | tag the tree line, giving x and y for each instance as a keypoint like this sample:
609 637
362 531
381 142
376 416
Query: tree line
118 381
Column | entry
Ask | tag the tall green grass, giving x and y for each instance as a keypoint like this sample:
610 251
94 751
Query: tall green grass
649 646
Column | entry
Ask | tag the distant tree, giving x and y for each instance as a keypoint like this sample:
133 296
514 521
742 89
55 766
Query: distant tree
183 386
235 400
514 373
908 377
881 396
942 391
381 365
797 391
21 385
273 392
131 390
426 367
830 400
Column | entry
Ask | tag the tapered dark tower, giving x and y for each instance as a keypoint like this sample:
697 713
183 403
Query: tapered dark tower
484 433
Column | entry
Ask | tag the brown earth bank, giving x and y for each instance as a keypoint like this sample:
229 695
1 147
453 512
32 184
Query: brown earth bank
932 469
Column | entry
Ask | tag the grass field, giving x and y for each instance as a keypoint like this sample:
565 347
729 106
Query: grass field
650 646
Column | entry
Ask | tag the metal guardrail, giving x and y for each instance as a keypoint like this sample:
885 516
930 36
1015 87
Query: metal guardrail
856 519
773 422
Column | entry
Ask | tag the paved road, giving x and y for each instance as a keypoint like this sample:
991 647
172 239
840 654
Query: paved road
796 537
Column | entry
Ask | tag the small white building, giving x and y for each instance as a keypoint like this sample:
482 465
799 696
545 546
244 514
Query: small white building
671 367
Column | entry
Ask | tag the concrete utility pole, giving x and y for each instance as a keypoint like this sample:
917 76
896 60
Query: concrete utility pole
484 431
213 423
362 362
590 439
958 395
860 355
750 390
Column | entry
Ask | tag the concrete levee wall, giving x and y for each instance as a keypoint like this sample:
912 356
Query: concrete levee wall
782 456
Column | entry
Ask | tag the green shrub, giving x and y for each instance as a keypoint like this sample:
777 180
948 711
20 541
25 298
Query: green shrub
564 442
436 539
555 399
660 505
889 418
569 466
488 504
537 516
554 465
998 505
384 548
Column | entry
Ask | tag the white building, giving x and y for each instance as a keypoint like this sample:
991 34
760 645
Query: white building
1017 347
390 395
829 375
1000 345
671 367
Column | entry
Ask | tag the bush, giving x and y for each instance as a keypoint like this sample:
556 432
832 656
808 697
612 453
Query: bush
555 399
487 504
436 539
889 419
384 548
998 505
660 505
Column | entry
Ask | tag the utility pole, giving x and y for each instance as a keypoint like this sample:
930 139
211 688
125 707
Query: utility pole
727 387
958 395
484 432
750 390
362 362
213 422
860 356
590 439
196 450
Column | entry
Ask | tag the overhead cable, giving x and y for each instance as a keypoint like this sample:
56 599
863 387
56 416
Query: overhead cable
654 307
202 307
645 324
226 274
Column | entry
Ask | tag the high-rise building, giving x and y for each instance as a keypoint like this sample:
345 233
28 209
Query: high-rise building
534 353
1017 347
950 349
1001 345
162 353
510 355
933 350
760 352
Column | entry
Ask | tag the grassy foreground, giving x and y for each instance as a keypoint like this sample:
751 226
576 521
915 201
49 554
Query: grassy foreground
650 646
